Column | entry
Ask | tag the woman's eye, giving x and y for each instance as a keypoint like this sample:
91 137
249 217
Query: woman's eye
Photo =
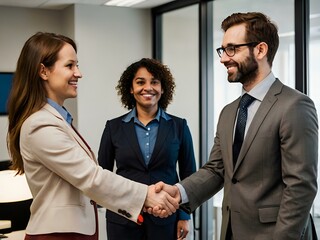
155 82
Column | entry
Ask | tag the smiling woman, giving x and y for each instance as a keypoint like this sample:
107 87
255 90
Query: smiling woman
61 170
146 145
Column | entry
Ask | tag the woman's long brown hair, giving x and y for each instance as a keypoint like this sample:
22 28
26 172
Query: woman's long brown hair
28 94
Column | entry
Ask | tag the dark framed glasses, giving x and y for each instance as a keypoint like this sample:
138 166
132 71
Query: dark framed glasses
231 49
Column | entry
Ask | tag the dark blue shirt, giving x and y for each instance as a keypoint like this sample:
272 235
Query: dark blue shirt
147 135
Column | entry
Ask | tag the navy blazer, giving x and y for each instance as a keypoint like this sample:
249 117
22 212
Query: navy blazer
119 144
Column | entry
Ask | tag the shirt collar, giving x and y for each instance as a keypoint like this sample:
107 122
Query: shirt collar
62 110
133 114
260 90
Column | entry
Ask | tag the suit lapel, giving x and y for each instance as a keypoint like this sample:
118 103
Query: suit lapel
266 104
230 121
130 132
71 131
74 132
163 131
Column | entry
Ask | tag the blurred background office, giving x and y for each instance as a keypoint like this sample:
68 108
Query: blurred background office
184 35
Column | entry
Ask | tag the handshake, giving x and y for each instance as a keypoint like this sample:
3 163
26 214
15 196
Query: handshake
162 200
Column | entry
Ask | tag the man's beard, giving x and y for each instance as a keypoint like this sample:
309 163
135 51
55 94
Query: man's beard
247 71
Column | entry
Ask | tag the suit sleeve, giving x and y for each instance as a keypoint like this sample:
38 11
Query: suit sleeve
299 152
208 180
187 163
106 152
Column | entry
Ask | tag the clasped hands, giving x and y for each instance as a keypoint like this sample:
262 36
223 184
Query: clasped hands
162 200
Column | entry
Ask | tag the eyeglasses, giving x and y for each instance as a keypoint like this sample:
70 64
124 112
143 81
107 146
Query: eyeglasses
231 50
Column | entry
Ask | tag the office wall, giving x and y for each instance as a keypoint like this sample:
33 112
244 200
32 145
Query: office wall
108 38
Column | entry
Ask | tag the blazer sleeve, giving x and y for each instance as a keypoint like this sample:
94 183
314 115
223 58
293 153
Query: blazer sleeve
50 142
298 135
186 160
106 152
210 175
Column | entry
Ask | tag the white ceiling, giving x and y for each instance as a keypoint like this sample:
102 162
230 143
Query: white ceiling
60 4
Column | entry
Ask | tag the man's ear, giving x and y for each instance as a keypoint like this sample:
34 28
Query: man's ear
262 50
43 72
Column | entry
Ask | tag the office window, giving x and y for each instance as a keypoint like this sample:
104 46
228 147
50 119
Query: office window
180 51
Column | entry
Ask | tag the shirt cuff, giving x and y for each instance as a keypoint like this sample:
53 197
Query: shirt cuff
183 194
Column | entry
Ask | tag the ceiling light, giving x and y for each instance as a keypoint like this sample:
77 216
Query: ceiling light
123 3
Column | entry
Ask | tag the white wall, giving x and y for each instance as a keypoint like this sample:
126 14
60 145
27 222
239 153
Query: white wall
108 40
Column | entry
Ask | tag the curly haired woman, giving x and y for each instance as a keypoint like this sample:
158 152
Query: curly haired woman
147 144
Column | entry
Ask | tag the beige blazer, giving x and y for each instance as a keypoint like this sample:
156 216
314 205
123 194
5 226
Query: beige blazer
269 193
63 176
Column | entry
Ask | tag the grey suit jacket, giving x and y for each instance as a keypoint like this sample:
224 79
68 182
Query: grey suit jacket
269 193
63 175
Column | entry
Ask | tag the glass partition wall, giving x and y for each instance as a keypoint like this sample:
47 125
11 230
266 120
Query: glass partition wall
180 52
314 83
186 36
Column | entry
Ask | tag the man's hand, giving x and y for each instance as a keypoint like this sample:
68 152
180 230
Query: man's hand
172 190
174 198
160 203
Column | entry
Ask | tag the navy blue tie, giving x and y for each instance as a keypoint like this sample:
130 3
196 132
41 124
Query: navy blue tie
245 101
